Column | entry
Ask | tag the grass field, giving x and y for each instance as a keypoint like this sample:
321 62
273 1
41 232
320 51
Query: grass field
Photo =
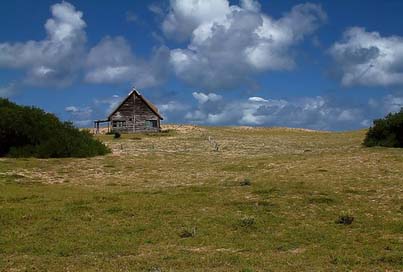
266 200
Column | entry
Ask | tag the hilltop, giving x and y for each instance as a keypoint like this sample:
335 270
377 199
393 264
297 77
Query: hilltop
207 199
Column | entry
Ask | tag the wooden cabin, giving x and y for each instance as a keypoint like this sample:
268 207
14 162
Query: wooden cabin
133 114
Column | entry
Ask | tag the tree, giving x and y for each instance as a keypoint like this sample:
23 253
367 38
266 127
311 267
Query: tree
387 131
31 132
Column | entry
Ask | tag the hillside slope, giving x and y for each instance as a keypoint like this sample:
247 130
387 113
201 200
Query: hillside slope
207 199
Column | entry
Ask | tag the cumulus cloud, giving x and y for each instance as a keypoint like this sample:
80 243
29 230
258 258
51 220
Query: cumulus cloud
108 104
61 57
83 116
112 61
71 109
8 91
185 16
228 44
369 59
172 106
56 59
251 5
156 9
83 123
309 112
203 98
80 116
388 103
79 112
173 110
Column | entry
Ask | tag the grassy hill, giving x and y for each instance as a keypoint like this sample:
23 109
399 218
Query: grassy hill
207 199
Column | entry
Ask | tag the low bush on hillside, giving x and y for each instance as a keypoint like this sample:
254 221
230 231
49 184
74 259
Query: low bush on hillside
116 135
387 131
31 132
345 219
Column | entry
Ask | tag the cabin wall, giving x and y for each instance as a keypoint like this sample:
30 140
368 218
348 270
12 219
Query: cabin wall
135 112
125 113
142 114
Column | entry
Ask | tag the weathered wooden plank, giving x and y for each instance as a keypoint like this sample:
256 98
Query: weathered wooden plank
134 111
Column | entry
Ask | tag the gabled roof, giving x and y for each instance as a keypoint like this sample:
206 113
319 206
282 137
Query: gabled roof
136 93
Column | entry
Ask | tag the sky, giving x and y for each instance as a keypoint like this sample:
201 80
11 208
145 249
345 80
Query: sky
326 65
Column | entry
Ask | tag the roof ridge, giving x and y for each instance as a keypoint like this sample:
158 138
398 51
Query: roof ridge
152 107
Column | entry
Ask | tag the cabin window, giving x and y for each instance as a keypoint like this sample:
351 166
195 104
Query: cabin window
151 123
119 124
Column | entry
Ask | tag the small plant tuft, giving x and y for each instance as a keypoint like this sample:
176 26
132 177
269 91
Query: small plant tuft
155 269
245 182
116 135
186 233
345 219
247 222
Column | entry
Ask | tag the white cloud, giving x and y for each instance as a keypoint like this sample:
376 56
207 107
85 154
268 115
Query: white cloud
251 5
185 16
367 58
8 90
229 44
203 98
56 59
172 106
156 9
108 104
79 113
112 61
71 109
257 99
82 116
83 123
173 110
309 112
388 103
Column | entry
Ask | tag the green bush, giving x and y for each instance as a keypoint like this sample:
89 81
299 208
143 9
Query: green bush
387 131
31 132
345 219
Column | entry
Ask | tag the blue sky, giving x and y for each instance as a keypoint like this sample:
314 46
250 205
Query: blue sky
331 65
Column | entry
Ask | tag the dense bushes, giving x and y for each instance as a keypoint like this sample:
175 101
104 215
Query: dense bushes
31 132
387 131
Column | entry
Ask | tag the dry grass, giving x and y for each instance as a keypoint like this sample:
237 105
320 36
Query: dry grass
127 210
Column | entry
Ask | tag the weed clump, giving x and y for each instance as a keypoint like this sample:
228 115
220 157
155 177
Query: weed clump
386 132
155 269
247 222
245 182
186 233
116 135
32 132
320 200
345 219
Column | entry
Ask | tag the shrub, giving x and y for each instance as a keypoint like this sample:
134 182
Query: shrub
387 131
31 132
247 222
186 233
116 135
245 182
345 219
